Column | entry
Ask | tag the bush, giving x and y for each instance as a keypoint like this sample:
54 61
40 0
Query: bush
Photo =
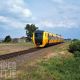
75 40
76 54
74 46
7 39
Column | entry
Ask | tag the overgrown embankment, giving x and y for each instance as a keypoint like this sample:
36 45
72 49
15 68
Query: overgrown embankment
64 66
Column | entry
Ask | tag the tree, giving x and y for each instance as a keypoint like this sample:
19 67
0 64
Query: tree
75 40
30 29
7 39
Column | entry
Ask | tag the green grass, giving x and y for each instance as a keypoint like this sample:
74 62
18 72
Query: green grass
3 52
55 68
18 44
6 48
63 69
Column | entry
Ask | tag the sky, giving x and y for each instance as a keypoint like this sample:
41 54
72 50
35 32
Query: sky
57 16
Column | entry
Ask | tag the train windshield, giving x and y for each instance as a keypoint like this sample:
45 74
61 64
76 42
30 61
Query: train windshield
38 37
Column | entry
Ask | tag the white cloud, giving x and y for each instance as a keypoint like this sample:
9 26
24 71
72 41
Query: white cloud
66 15
47 23
12 9
65 24
22 11
63 13
26 13
58 1
11 22
3 19
16 7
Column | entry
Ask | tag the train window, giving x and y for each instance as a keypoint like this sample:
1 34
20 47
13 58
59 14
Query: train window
38 35
56 38
53 37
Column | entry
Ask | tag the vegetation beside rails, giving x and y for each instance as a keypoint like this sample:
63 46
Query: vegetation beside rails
17 44
55 68
74 46
11 47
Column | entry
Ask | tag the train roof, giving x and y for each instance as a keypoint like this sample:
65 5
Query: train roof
49 33
39 31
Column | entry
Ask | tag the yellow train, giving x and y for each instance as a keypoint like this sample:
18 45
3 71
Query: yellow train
42 38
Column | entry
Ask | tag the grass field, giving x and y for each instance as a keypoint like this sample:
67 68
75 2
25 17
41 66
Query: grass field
59 64
6 48
57 68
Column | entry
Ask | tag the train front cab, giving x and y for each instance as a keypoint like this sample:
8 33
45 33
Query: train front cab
40 38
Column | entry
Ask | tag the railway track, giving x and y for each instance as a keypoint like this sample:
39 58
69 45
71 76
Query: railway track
24 52
14 54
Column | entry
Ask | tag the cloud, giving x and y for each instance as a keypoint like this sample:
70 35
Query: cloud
47 23
65 14
16 7
10 22
58 1
3 19
57 24
20 10
12 12
17 14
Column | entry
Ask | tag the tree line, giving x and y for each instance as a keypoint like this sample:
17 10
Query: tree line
30 28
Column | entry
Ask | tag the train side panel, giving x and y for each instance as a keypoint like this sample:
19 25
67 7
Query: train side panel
53 38
45 39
